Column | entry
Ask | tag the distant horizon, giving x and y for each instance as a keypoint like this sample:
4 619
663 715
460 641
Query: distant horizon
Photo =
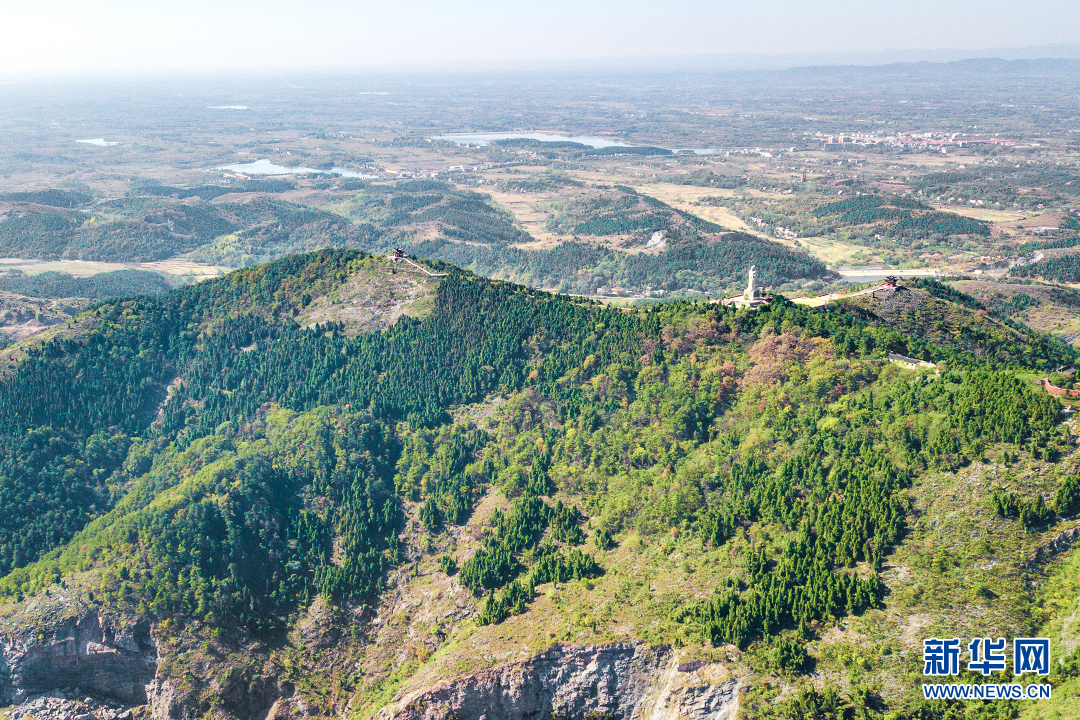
715 62
79 38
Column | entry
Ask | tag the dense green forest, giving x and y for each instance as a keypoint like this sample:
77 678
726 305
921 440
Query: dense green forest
538 183
269 228
207 457
64 476
156 222
34 234
461 215
627 150
621 211
902 218
209 192
473 344
540 145
1052 244
88 387
76 235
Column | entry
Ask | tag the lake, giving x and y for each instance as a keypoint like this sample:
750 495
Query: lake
265 167
485 138
590 140
100 142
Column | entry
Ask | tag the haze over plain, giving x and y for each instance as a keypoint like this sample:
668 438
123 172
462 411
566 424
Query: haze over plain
69 37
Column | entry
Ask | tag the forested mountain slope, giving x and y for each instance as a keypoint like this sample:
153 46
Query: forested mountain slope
329 486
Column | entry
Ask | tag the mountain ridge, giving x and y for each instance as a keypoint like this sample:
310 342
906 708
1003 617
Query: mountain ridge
331 508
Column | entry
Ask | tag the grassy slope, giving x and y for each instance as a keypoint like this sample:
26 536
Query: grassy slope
21 316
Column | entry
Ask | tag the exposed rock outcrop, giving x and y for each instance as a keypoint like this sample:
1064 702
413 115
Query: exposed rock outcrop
106 660
231 692
69 704
625 680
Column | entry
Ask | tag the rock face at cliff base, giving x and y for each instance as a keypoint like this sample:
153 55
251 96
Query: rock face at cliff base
104 660
626 680
69 704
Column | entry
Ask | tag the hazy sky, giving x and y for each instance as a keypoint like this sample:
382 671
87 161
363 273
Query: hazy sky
76 36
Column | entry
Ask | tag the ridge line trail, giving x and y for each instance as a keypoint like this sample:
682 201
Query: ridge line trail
819 300
421 268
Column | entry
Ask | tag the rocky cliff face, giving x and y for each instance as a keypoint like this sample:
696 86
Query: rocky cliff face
89 664
95 664
102 659
626 680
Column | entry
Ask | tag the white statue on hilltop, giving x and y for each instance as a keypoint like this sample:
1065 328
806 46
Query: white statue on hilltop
754 296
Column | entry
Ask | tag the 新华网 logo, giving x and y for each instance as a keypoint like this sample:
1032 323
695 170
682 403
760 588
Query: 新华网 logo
941 658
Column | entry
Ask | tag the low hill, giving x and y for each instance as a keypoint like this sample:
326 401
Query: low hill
707 178
612 241
332 485
425 217
1062 266
52 284
956 322
622 211
246 231
69 199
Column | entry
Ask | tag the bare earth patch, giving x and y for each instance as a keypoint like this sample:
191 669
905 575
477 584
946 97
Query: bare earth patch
373 300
